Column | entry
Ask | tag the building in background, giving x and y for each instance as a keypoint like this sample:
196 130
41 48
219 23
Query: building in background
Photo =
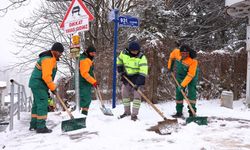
3 86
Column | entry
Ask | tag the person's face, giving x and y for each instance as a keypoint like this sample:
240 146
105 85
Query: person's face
92 54
57 54
135 52
184 55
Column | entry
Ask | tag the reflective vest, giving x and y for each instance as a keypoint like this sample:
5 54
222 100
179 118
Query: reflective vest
133 65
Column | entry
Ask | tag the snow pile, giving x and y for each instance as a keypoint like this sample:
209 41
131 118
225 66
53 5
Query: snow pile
227 129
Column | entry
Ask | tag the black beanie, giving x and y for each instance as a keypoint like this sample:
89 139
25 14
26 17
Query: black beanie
57 47
134 46
90 49
185 48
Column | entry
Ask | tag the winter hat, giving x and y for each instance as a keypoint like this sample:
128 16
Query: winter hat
90 49
134 46
185 48
57 47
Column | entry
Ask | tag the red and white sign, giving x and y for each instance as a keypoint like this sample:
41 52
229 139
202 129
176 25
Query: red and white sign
77 18
76 26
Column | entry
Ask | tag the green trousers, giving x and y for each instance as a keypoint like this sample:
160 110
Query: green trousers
39 109
191 87
85 97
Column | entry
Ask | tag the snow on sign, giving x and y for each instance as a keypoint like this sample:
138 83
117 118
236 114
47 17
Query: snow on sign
77 18
128 21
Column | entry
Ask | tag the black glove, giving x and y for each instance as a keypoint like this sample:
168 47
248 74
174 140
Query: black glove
124 81
54 92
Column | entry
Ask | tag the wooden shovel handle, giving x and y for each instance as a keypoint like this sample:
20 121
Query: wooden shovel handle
64 106
98 93
148 100
184 95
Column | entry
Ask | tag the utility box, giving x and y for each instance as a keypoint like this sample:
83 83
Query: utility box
227 99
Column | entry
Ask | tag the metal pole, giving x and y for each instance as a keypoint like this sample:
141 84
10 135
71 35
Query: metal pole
77 83
25 98
114 65
11 104
18 102
248 64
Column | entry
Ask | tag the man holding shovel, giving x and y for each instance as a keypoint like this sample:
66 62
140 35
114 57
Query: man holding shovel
40 82
186 75
87 79
132 63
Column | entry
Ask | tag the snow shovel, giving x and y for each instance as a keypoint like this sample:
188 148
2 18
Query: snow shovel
73 123
106 111
163 127
194 118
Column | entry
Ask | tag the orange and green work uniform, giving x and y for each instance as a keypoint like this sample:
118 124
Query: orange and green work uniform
86 82
186 75
40 82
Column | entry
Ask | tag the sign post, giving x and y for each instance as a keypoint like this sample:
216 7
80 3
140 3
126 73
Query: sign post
241 9
76 20
114 66
123 21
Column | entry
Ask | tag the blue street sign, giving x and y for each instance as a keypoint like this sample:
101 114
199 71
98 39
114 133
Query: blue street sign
128 21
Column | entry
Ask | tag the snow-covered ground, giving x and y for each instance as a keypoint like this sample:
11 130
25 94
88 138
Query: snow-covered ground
228 129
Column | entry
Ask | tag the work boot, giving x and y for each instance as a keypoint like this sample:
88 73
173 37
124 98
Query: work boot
178 115
123 115
43 130
32 128
191 115
134 117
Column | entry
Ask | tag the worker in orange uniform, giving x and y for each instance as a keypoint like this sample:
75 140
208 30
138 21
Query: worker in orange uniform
87 80
186 75
40 82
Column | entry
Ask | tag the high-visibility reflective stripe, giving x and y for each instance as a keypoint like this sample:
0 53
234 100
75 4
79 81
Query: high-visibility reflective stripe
34 115
38 66
136 103
144 64
192 101
179 101
84 109
42 117
126 101
38 117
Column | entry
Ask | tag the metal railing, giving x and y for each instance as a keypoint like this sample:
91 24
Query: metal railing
22 104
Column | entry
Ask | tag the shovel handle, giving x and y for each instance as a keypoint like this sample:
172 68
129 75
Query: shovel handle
98 93
64 106
148 100
184 95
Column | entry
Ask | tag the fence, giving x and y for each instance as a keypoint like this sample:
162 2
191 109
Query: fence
22 104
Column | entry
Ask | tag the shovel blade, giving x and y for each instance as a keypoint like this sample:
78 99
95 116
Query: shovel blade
165 127
73 124
106 111
198 120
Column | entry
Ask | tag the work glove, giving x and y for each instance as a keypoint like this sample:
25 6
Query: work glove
54 92
95 85
179 88
136 87
169 72
124 81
